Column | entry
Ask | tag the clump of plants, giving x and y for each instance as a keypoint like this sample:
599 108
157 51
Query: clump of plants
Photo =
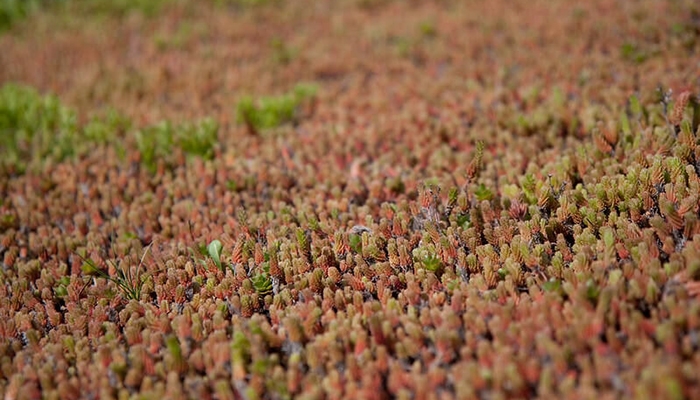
35 127
156 142
12 11
120 8
32 125
516 219
272 111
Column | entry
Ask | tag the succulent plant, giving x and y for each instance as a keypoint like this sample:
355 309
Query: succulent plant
518 218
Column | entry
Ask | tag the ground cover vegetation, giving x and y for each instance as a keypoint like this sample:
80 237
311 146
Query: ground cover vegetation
373 199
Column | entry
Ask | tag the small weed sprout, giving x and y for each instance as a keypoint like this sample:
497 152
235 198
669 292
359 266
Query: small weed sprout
61 290
129 284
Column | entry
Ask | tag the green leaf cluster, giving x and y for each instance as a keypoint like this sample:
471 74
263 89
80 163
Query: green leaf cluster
195 139
262 282
38 128
272 111
427 256
148 8
12 11
32 125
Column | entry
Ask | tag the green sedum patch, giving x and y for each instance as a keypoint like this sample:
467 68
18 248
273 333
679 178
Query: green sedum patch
32 125
12 11
148 8
273 111
38 128
157 142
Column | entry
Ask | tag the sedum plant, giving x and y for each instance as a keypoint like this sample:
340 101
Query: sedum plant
273 111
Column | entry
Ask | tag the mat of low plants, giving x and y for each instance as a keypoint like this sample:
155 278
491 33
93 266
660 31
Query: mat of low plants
366 199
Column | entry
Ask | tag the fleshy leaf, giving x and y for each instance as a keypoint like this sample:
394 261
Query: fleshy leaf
214 250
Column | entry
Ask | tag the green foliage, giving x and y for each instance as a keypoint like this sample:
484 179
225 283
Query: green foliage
404 46
529 185
428 257
198 139
432 263
636 107
302 240
195 139
240 348
155 142
214 250
625 124
483 193
120 8
102 129
452 196
12 11
37 128
314 224
281 53
427 29
129 283
173 346
262 282
8 221
553 285
355 242
592 291
633 53
273 111
32 125
464 220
